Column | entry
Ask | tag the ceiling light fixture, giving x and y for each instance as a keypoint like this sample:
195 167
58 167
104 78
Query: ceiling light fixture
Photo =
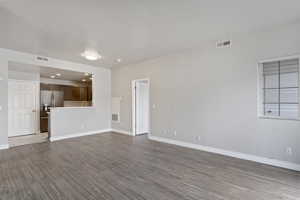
58 74
119 60
52 76
83 80
90 54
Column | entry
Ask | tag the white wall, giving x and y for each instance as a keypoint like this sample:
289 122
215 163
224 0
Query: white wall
17 75
3 102
142 107
212 93
96 118
68 121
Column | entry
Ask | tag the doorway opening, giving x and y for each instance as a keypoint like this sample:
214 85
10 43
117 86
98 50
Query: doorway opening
23 115
36 91
141 107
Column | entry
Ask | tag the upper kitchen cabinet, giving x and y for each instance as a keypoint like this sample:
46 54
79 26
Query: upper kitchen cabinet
83 93
89 93
73 93
51 87
76 87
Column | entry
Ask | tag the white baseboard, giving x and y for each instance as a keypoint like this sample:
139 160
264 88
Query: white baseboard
4 146
121 131
268 161
56 138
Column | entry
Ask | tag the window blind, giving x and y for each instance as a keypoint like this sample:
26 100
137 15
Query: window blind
281 88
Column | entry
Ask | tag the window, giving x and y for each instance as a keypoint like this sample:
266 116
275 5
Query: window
279 85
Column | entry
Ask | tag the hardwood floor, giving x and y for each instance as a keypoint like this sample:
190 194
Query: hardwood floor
120 167
27 139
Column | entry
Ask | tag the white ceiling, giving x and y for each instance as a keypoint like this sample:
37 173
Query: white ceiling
46 72
133 30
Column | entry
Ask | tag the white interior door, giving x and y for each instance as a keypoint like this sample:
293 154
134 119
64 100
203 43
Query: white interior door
22 104
142 107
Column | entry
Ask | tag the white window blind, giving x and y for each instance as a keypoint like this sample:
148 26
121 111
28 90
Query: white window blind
280 88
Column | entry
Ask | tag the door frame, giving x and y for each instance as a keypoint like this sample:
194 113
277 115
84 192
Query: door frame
133 114
37 101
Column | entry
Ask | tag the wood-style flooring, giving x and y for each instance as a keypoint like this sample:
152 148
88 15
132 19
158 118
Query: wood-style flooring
27 139
119 167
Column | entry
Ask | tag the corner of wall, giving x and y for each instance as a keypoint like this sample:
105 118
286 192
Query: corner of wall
3 100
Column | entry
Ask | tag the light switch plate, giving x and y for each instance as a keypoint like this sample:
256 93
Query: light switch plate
0 108
1 78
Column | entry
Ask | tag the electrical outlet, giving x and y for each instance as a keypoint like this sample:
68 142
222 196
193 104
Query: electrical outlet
289 151
0 108
198 138
82 126
175 133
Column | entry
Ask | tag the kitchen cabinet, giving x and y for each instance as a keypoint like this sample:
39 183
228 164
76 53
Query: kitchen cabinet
51 87
75 93
44 124
71 93
89 93
83 94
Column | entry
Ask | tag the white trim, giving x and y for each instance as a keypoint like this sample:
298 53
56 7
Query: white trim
121 131
4 146
72 107
268 161
260 83
56 138
289 57
133 115
278 118
133 85
37 101
260 94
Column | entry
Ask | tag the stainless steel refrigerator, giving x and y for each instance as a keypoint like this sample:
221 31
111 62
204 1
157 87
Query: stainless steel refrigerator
49 99
52 98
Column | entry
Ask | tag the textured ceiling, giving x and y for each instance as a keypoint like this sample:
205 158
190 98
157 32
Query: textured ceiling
132 30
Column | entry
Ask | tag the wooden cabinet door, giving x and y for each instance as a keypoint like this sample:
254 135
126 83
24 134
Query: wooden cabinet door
83 93
67 93
72 93
76 94
90 93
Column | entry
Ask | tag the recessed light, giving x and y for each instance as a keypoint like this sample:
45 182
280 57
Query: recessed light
52 76
91 54
86 74
119 60
83 80
58 74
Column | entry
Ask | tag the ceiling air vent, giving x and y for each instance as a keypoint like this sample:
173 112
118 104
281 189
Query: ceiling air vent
42 58
223 44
